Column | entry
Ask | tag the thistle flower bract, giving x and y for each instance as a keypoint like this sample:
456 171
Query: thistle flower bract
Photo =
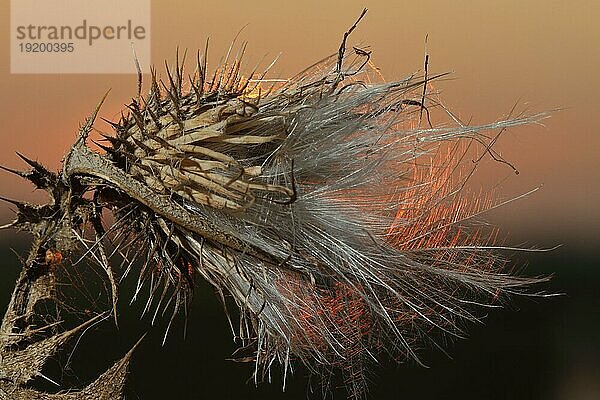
326 207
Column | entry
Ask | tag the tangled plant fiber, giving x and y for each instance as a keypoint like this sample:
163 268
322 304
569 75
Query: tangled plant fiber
326 208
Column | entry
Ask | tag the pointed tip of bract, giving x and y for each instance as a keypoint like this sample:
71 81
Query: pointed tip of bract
137 344
87 127
107 149
13 171
31 162
41 177
25 212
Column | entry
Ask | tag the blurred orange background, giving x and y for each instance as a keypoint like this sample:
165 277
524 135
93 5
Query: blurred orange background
543 54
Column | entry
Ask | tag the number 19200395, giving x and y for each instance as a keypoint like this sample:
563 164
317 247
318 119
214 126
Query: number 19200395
36 47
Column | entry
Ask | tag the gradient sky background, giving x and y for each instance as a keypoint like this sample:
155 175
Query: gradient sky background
542 53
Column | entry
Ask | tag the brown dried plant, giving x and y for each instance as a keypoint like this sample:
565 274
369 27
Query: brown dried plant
326 208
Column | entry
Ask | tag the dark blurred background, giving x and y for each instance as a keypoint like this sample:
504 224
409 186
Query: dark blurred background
542 54
535 348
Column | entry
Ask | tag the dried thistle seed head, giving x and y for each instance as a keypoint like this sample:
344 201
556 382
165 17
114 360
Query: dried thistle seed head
324 206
